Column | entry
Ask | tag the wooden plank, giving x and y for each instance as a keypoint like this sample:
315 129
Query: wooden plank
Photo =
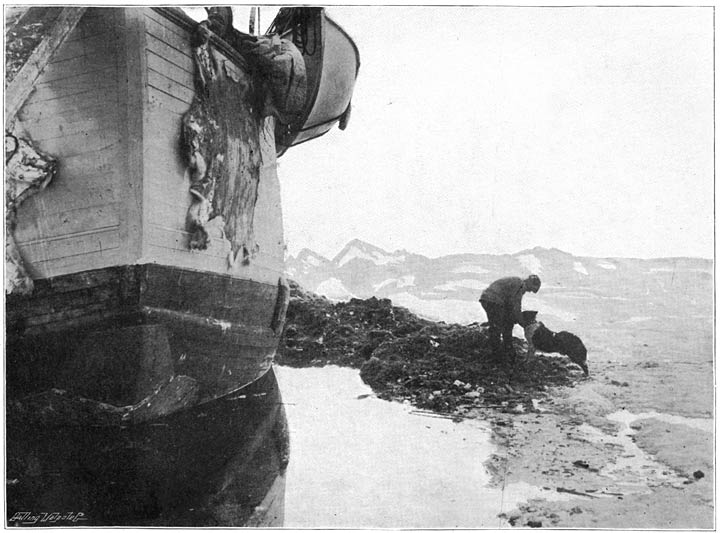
81 46
169 86
81 280
104 80
66 194
260 268
221 297
216 336
98 241
79 220
183 34
164 133
36 121
163 102
77 66
55 304
81 143
91 24
66 319
132 102
76 263
179 240
166 30
169 215
89 166
171 71
19 89
166 174
171 187
67 105
103 118
182 58
169 178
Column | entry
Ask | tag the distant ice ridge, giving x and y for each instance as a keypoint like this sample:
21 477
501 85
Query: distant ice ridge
530 262
578 267
451 311
404 281
668 270
375 256
470 269
334 289
474 284
606 265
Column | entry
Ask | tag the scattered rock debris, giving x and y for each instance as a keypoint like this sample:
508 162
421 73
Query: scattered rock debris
432 365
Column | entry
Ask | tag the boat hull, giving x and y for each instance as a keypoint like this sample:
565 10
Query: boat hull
114 335
129 356
219 463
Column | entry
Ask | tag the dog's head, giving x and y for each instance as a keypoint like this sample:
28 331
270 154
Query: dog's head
529 317
573 347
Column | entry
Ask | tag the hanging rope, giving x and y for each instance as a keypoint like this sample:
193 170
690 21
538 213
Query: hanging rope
299 21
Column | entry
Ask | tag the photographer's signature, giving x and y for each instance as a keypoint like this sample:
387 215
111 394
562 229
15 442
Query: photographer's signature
26 518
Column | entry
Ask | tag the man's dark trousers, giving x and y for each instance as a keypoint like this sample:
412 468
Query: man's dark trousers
501 322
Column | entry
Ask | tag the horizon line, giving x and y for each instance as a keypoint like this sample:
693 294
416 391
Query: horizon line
403 250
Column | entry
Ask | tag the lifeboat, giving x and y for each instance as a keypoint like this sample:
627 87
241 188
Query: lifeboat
332 63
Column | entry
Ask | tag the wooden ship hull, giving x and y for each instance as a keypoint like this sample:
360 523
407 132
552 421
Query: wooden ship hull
221 463
146 355
119 295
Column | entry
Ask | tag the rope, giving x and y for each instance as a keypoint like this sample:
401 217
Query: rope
298 20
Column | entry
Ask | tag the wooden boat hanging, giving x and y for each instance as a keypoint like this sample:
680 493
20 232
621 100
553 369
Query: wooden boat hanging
332 63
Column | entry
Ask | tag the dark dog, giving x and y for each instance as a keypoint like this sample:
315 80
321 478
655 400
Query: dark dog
541 338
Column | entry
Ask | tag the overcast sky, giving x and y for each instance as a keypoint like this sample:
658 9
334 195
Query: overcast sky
492 130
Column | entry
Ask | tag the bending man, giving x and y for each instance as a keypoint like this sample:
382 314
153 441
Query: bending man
502 301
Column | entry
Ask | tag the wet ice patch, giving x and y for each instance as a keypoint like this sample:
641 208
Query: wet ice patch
633 470
361 462
627 418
